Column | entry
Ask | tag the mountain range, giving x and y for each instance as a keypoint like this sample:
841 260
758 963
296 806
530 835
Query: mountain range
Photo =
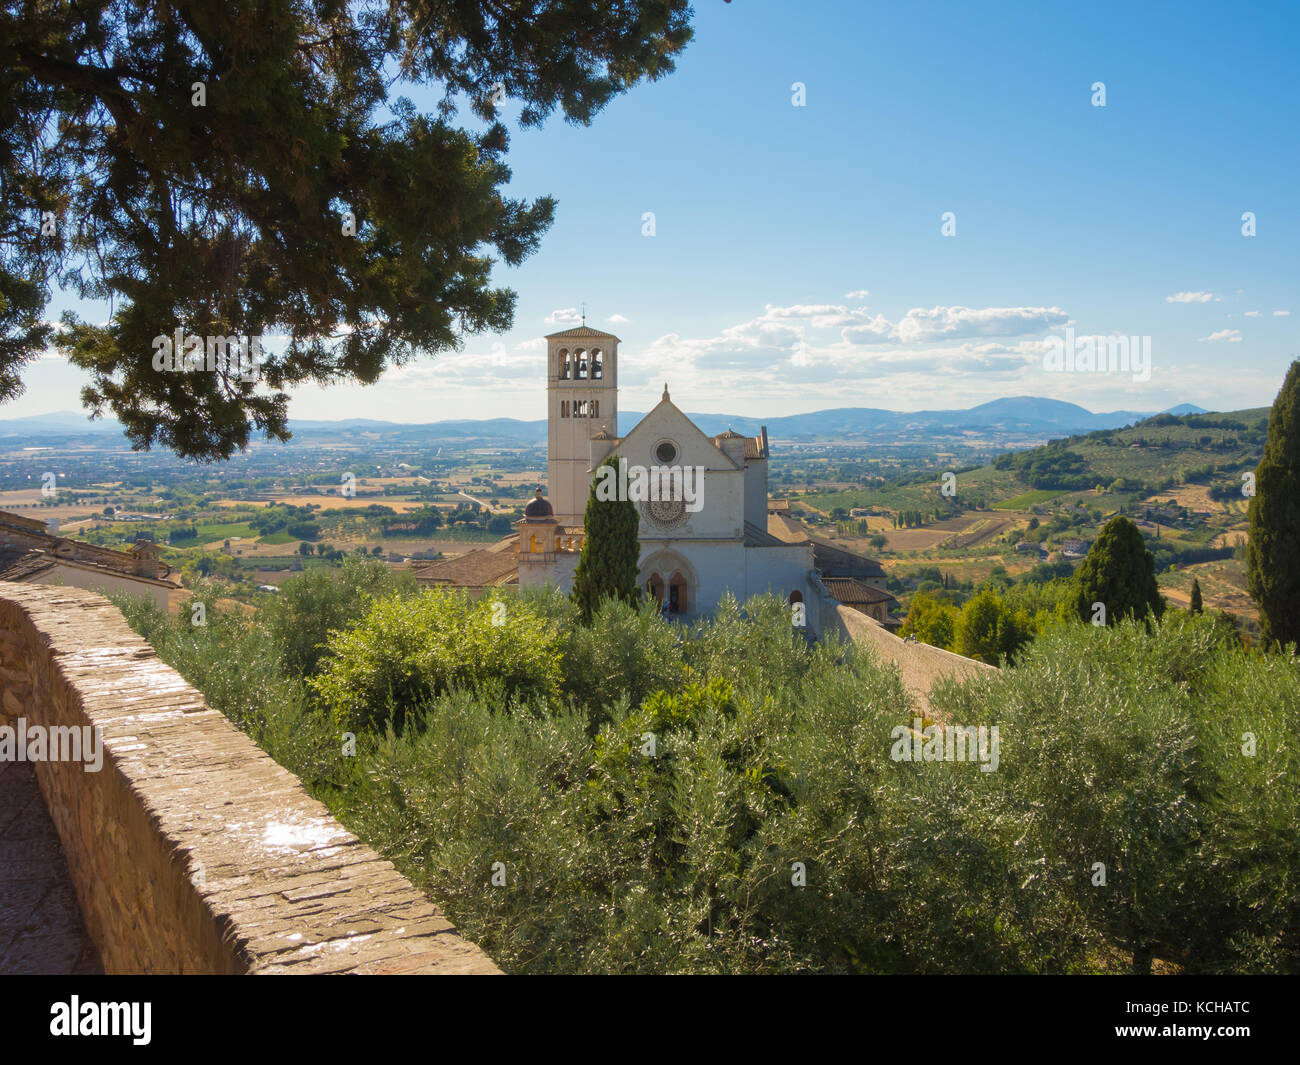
1017 417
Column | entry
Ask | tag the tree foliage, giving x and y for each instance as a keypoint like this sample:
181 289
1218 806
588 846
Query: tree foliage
607 567
989 630
197 165
1273 549
404 651
1119 572
1140 809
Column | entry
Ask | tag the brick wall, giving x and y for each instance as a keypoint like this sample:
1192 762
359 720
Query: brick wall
191 851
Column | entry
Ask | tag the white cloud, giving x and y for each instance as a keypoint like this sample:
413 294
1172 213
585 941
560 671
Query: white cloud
957 323
496 370
1192 297
1252 314
857 294
617 319
564 316
1232 336
787 354
1281 314
877 330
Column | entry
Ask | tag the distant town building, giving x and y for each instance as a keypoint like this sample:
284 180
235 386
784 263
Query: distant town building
864 598
475 570
31 554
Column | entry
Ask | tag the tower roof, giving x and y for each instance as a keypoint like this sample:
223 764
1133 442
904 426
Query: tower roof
579 331
538 508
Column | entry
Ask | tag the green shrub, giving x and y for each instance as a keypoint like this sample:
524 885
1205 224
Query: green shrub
405 650
312 604
648 796
1125 748
626 653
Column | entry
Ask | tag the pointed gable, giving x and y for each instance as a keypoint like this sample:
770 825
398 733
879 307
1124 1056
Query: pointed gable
665 420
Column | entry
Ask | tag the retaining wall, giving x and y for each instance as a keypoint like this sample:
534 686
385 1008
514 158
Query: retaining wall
191 851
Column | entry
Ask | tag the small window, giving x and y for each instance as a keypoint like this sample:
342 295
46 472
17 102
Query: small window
666 451
595 408
564 364
564 408
597 364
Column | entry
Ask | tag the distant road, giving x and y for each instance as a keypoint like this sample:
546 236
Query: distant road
481 502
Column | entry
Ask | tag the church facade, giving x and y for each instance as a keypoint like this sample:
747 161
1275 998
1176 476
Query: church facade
694 549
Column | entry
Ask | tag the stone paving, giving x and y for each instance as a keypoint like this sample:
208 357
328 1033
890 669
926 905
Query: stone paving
41 930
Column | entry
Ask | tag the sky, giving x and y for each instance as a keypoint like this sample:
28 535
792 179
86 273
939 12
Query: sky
802 165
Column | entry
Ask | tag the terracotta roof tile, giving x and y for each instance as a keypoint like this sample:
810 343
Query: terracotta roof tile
853 592
580 331
480 568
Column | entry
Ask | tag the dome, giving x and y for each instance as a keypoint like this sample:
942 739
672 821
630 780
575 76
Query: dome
538 507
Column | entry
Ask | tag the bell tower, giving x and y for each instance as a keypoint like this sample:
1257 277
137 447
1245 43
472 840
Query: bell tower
581 399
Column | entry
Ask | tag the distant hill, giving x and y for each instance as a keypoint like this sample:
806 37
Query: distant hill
62 424
1018 415
1012 419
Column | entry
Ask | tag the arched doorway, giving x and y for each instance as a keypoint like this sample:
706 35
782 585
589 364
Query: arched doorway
655 589
677 596
674 592
669 578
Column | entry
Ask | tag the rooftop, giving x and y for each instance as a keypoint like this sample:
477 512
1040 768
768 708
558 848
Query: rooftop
579 332
853 592
481 568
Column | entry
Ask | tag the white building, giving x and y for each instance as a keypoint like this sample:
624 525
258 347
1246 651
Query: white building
689 559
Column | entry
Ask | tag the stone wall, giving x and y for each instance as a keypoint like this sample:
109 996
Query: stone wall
191 851
919 664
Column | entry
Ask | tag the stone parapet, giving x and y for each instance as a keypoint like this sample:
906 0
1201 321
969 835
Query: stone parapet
191 850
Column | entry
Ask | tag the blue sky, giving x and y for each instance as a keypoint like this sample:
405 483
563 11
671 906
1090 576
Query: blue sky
798 261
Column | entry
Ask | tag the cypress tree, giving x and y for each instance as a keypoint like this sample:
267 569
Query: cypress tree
1196 606
1273 552
1121 573
607 567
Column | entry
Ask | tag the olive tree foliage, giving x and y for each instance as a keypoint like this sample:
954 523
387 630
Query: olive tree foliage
245 169
724 797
